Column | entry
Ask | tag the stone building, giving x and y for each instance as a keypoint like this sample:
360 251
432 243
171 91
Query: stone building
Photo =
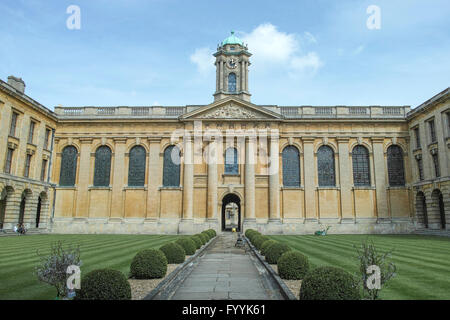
176 169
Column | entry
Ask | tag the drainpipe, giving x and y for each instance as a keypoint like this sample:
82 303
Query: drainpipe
49 174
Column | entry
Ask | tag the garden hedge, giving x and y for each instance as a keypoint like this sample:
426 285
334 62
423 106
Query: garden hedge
266 245
149 264
207 234
104 284
329 283
173 252
293 265
204 237
187 244
274 252
198 241
259 240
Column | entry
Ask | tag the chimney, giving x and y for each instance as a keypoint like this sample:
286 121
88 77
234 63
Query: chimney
17 83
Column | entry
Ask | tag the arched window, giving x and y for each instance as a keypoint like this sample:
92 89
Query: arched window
68 170
171 170
361 171
136 167
231 161
291 167
232 82
102 169
325 167
396 171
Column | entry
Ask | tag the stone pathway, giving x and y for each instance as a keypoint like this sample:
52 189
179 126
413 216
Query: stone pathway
224 273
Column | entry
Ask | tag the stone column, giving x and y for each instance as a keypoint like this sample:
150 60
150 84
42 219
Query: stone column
221 75
212 180
242 85
345 181
274 180
186 224
310 171
249 179
84 178
117 210
246 76
154 180
380 177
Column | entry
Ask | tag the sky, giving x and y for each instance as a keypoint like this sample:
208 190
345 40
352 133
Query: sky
159 52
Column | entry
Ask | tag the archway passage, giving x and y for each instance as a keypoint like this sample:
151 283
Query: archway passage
442 210
22 210
2 208
38 212
231 212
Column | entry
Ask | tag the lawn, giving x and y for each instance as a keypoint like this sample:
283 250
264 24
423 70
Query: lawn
423 262
18 258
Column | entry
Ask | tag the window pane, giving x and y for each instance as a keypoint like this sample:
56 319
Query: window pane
68 167
232 82
361 172
102 170
43 169
8 160
231 162
325 165
291 167
31 133
396 170
136 170
12 130
27 166
171 171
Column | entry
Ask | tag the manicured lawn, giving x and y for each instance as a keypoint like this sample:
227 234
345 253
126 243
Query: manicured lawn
18 258
423 262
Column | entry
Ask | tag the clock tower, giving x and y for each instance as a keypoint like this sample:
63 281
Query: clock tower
232 62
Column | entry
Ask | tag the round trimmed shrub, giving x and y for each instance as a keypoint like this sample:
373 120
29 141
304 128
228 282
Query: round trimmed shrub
203 237
149 264
198 241
213 232
252 235
188 245
207 234
266 245
275 251
259 240
329 283
104 284
293 265
173 252
248 232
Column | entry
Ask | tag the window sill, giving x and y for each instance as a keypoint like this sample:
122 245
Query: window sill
292 188
364 188
135 188
99 188
170 188
66 187
328 188
397 188
231 175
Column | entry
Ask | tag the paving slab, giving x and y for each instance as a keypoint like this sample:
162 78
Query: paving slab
225 272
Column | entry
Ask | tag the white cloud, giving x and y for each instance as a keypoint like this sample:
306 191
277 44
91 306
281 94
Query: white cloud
204 60
274 48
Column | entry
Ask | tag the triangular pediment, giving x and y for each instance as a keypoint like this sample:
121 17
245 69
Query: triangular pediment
232 109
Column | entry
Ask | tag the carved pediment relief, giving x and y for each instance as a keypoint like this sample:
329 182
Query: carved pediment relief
230 111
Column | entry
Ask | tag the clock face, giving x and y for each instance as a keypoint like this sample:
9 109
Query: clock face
232 63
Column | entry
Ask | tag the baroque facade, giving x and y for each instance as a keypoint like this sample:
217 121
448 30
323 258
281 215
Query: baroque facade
231 163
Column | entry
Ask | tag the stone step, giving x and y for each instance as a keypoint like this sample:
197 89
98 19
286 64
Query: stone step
31 231
428 232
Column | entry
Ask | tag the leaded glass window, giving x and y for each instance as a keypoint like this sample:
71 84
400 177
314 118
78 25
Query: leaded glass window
231 161
437 170
420 168
171 171
68 166
361 167
396 171
291 167
232 82
136 168
102 169
325 167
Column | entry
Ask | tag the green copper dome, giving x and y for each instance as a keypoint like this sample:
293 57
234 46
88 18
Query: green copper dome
232 40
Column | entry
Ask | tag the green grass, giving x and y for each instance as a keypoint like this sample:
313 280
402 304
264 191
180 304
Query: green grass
423 262
18 258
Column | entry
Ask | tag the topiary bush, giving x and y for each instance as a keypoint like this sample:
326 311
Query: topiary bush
274 252
104 284
266 245
149 264
293 265
203 237
248 232
329 283
259 240
198 241
187 244
252 235
207 234
173 252
213 232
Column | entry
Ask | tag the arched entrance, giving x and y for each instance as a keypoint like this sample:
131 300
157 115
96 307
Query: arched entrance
421 209
38 212
22 209
3 196
438 204
231 212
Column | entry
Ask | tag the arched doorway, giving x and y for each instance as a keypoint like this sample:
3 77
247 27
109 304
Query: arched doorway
3 196
421 209
231 212
22 209
38 212
438 204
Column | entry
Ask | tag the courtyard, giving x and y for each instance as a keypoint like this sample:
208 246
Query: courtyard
422 261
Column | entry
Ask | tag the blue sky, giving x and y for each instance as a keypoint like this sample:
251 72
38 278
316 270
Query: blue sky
158 52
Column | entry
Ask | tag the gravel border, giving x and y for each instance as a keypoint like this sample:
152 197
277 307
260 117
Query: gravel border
166 284
284 289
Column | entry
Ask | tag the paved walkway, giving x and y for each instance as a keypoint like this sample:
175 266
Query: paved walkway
225 272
